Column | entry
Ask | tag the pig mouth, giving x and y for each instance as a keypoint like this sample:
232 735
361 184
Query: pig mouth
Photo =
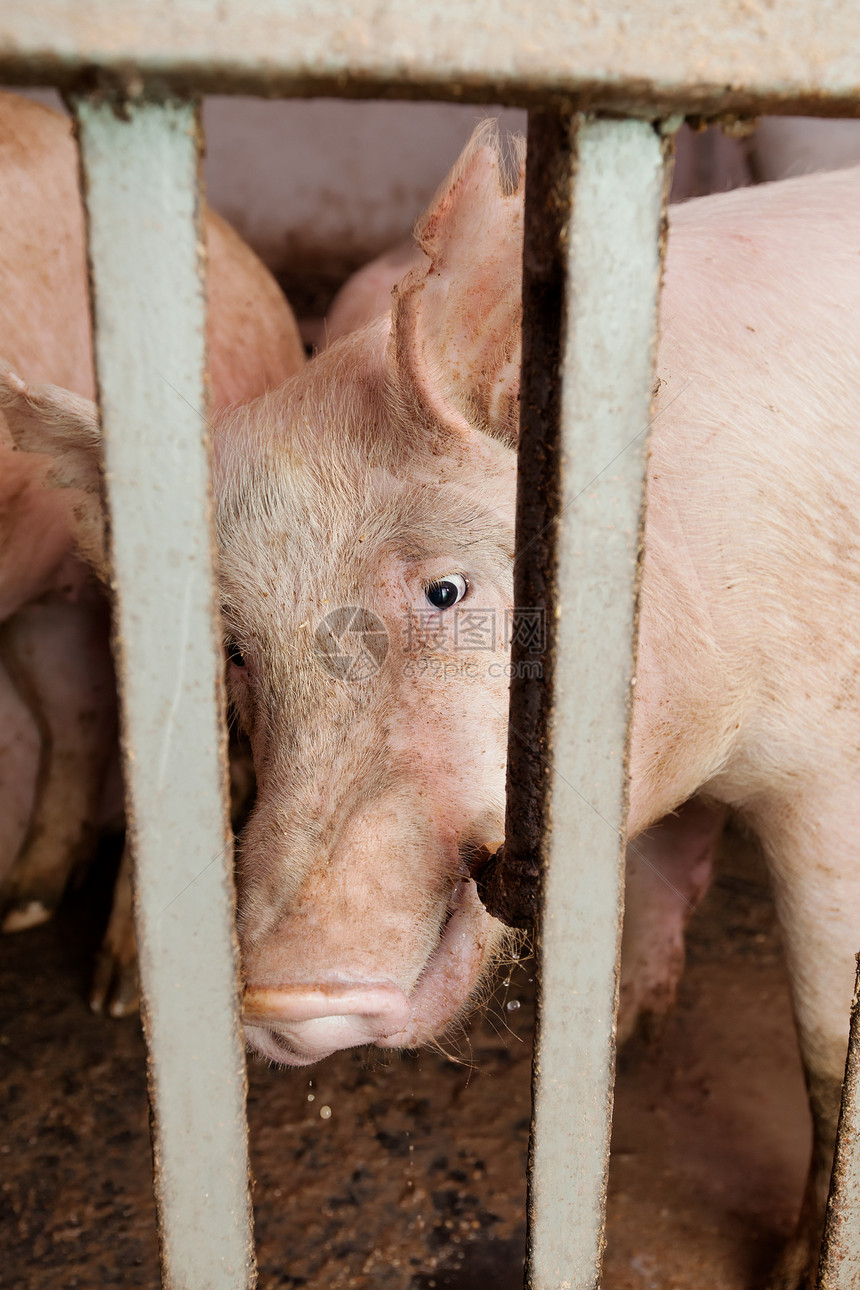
300 1024
451 973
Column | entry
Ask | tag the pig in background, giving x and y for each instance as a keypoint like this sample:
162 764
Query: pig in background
57 690
320 187
366 499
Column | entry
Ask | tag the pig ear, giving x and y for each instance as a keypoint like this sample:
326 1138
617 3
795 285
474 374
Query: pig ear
456 325
53 422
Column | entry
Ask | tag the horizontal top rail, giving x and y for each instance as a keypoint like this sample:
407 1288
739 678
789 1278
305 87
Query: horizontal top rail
727 56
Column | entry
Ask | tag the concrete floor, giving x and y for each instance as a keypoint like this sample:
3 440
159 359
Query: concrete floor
415 1179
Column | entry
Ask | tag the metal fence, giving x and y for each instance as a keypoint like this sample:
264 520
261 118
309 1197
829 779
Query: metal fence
605 84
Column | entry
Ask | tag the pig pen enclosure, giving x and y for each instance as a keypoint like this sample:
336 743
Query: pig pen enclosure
605 90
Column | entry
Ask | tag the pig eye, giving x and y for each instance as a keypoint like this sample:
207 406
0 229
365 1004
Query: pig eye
445 592
234 654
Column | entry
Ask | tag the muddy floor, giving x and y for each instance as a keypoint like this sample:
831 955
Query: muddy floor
408 1173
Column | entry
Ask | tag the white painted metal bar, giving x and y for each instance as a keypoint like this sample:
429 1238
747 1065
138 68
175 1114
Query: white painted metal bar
840 1248
140 164
727 55
610 176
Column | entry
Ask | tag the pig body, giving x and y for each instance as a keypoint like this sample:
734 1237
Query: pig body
368 499
57 701
749 588
358 921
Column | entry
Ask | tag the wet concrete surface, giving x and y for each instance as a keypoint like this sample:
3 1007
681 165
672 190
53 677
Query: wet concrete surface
408 1173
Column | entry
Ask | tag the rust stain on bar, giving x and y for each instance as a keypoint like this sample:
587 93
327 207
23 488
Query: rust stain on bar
839 1268
510 882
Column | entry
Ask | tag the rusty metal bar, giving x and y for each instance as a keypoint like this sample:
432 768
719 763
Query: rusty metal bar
594 217
140 165
840 1248
643 59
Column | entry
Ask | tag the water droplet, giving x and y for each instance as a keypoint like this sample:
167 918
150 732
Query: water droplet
325 1112
507 982
512 1005
310 1097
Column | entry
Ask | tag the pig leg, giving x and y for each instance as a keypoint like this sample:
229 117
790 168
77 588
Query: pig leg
668 871
19 768
812 850
57 653
115 988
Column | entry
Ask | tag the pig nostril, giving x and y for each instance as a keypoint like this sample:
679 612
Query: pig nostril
281 1043
299 1025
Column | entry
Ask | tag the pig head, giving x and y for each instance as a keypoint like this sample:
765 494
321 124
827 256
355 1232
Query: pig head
365 519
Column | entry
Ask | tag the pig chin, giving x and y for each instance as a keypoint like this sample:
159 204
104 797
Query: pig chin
297 1025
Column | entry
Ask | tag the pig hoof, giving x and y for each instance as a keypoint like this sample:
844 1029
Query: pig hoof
29 899
30 913
115 988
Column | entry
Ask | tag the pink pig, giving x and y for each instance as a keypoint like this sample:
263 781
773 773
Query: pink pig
57 706
391 459
364 501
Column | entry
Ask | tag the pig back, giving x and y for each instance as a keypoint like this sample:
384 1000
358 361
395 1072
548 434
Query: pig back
44 304
45 334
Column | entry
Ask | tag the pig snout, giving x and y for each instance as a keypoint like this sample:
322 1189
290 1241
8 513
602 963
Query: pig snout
300 1024
370 951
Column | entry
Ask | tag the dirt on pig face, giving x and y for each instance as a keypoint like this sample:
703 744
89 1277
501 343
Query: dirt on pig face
378 720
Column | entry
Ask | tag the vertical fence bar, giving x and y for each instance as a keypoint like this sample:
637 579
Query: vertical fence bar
140 164
594 217
840 1247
